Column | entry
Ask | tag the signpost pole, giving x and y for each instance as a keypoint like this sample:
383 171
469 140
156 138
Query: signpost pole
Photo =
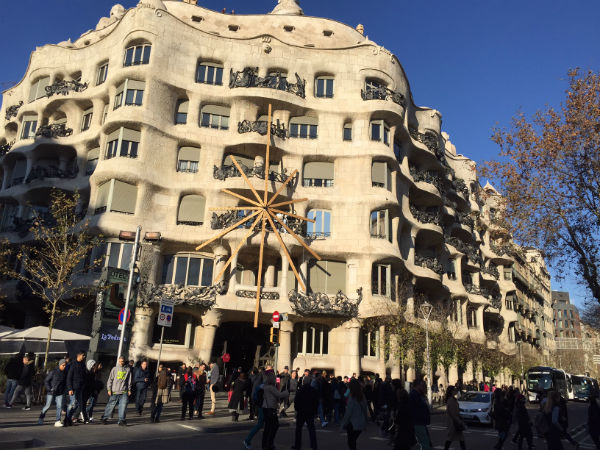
162 333
129 286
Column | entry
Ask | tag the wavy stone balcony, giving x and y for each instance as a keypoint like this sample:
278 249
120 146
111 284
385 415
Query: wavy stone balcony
494 297
5 148
13 110
430 215
382 93
491 270
468 250
42 172
426 177
318 303
430 140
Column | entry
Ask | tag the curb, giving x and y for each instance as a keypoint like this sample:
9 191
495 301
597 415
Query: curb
26 443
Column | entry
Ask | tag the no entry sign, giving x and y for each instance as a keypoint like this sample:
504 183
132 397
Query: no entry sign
122 313
226 357
275 316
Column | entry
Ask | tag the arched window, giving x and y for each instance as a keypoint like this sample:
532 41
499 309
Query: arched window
29 125
38 88
318 174
115 196
86 120
326 277
181 111
187 270
321 228
191 210
137 54
209 73
304 127
131 92
380 224
381 175
324 87
187 159
369 342
102 73
123 142
381 279
311 339
213 116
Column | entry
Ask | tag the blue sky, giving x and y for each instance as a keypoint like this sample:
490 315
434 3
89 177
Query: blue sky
476 61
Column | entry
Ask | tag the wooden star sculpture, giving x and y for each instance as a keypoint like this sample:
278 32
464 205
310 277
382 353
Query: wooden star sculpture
265 211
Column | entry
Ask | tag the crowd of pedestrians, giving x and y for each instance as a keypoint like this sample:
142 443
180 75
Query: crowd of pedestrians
317 398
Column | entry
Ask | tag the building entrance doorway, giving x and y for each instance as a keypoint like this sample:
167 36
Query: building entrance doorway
244 343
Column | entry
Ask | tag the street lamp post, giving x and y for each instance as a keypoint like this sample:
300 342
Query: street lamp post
425 310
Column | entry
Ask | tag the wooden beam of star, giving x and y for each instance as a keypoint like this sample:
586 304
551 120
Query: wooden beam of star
287 254
295 236
227 230
267 160
285 183
296 216
260 201
235 252
260 265
241 197
234 208
289 202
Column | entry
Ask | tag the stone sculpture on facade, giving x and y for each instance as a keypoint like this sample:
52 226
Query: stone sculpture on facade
65 87
249 78
319 303
260 127
13 110
202 296
54 130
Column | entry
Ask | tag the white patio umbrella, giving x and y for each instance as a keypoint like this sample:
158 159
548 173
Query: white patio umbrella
41 333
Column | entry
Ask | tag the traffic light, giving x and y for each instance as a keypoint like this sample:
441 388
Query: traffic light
274 337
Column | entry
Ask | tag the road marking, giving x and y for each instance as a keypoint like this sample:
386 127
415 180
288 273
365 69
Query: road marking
189 427
377 438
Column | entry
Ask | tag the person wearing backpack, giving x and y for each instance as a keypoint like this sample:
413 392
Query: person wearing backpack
187 390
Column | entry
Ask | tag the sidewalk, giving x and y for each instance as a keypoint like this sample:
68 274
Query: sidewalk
19 429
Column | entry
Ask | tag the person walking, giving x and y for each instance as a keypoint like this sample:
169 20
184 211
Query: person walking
200 391
593 420
564 423
236 401
306 403
454 422
76 382
161 396
502 419
405 428
258 398
213 379
551 411
93 386
141 380
24 382
270 405
284 385
187 392
12 370
524 430
356 416
55 383
119 389
420 411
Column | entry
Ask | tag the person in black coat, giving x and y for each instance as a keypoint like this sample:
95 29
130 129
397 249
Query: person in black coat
55 383
593 422
76 382
236 402
524 430
502 418
141 381
405 428
12 370
306 404
24 381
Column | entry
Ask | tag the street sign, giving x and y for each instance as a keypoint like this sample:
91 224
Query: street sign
117 276
275 324
226 357
275 316
122 313
165 312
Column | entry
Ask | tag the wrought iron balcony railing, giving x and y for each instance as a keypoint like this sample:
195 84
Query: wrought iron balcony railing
203 296
260 127
318 303
491 270
429 139
41 173
230 171
54 130
431 263
427 215
13 110
249 78
64 87
5 148
465 218
382 93
426 176
460 186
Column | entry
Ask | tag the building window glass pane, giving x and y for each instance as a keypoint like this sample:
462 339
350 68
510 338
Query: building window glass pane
113 256
102 74
86 121
207 272
347 132
181 270
209 74
29 127
167 273
136 55
194 272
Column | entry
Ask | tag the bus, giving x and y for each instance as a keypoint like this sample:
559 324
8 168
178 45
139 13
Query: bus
583 386
542 379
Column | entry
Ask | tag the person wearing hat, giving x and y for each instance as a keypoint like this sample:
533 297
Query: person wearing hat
55 383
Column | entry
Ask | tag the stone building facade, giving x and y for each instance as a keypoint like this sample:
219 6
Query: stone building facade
141 114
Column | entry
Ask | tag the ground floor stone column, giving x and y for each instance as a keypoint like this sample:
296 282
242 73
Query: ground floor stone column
350 361
453 374
394 362
468 375
284 355
210 322
141 332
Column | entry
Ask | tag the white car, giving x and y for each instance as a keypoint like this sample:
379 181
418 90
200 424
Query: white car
476 407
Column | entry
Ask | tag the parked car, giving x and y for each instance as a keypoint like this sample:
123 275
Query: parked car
476 407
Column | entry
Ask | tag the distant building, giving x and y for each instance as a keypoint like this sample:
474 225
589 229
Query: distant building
567 323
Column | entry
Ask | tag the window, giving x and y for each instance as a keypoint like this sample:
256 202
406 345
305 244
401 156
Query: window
115 196
347 133
318 174
18 172
86 121
508 273
132 91
511 333
216 117
510 301
380 225
380 131
278 80
324 87
92 160
102 74
381 280
322 226
472 317
187 159
136 55
191 210
209 73
372 87
311 339
122 142
38 89
381 176
29 126
181 112
9 212
327 277
304 127
187 270
104 114
369 342
118 255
